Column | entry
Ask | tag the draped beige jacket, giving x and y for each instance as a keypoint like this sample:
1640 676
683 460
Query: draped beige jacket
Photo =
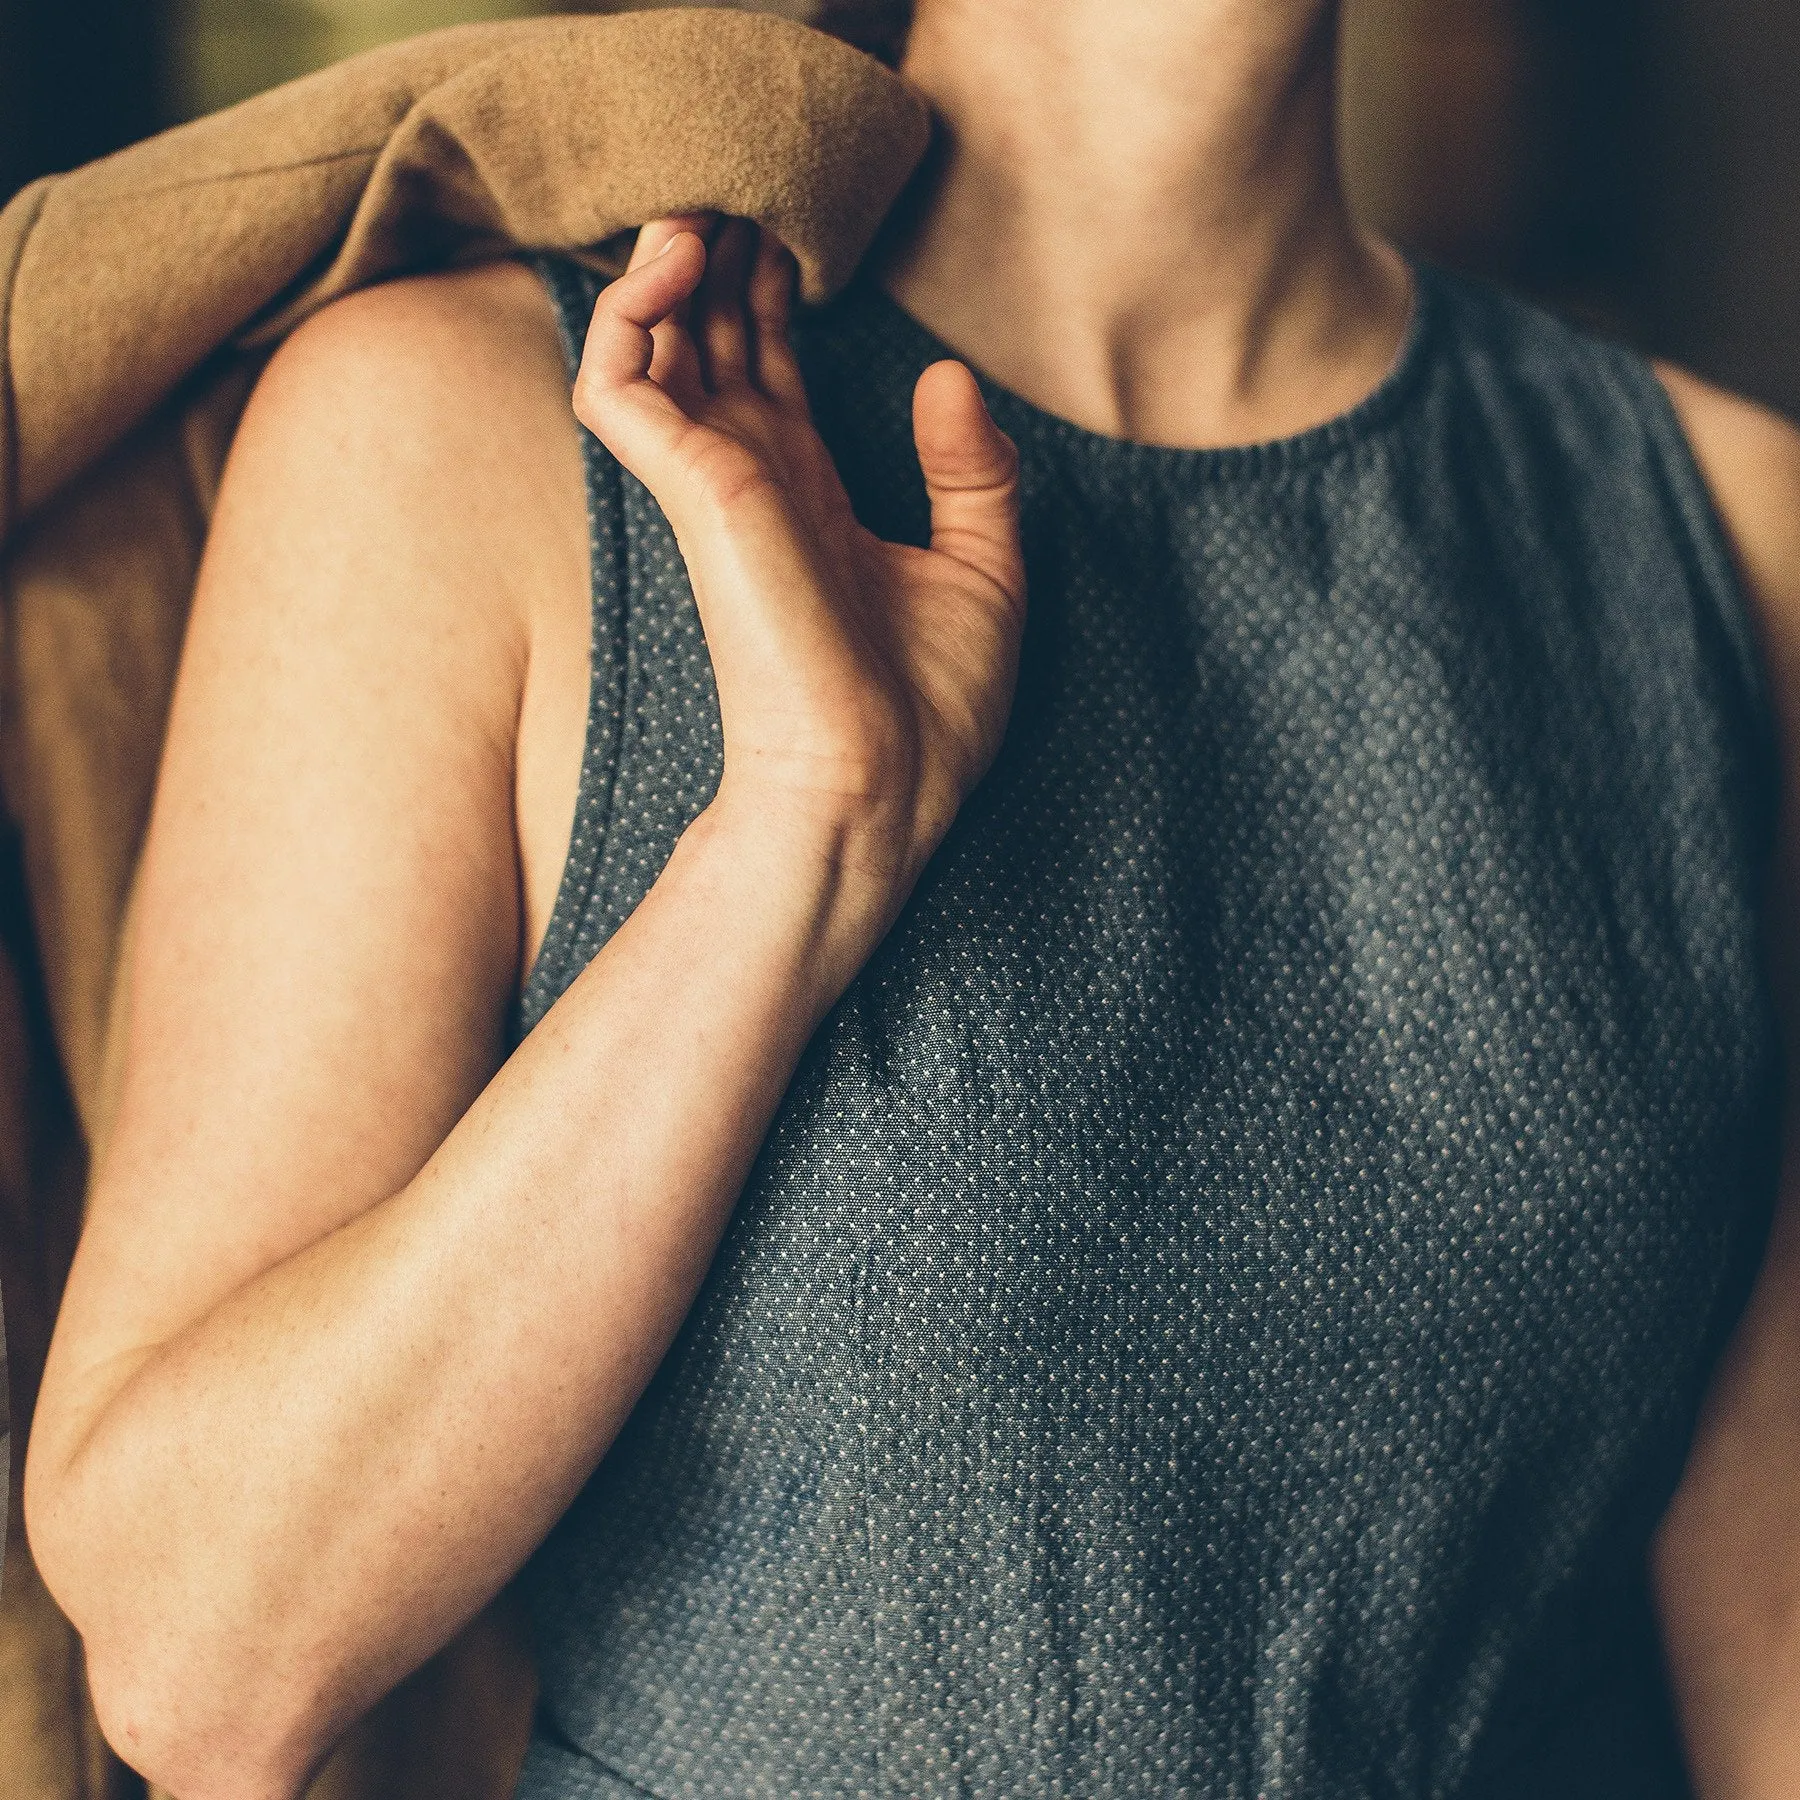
138 299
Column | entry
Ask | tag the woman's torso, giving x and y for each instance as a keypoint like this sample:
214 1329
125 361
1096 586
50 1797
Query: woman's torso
1224 1300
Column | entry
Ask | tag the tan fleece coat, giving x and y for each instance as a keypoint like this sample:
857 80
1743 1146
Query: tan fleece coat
138 298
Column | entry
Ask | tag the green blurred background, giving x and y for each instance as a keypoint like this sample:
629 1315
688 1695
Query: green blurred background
1636 162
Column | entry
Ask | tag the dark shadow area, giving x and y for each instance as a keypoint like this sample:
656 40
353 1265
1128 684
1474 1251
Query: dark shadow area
77 78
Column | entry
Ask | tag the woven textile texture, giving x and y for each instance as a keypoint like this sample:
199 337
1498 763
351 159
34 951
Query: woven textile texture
1225 1298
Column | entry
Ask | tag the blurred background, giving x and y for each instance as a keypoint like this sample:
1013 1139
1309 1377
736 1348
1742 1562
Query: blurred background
1635 162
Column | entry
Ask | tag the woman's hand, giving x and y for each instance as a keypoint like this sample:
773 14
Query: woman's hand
863 686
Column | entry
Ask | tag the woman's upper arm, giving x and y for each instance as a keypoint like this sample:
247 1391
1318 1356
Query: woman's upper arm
325 936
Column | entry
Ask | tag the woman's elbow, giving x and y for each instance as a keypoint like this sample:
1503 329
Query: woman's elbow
183 1711
195 1724
176 1734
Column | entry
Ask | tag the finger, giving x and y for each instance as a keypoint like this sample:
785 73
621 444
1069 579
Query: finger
655 237
675 363
971 475
772 282
720 324
629 309
614 395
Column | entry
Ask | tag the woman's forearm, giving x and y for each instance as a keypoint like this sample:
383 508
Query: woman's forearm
272 1517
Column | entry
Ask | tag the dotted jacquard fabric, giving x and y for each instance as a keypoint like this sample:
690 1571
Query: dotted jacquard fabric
1226 1296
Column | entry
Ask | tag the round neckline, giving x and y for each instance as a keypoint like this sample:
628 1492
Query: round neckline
1329 438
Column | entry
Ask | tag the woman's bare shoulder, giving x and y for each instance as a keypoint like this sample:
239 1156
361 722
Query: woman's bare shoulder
433 340
440 401
1750 457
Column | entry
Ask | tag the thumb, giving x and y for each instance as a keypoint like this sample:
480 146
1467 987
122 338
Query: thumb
971 475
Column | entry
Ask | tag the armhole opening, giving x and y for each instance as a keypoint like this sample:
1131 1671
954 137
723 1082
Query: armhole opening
572 291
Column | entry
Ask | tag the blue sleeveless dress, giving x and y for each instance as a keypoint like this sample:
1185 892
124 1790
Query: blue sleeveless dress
1226 1297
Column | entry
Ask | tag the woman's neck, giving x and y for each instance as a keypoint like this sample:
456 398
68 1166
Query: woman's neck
1134 216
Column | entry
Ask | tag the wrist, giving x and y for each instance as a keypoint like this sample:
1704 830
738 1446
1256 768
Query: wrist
826 883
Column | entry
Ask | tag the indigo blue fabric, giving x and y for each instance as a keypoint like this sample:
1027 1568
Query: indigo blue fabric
1226 1296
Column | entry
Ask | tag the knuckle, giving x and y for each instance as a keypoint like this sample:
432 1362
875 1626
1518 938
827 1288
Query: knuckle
984 469
591 398
725 473
608 306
